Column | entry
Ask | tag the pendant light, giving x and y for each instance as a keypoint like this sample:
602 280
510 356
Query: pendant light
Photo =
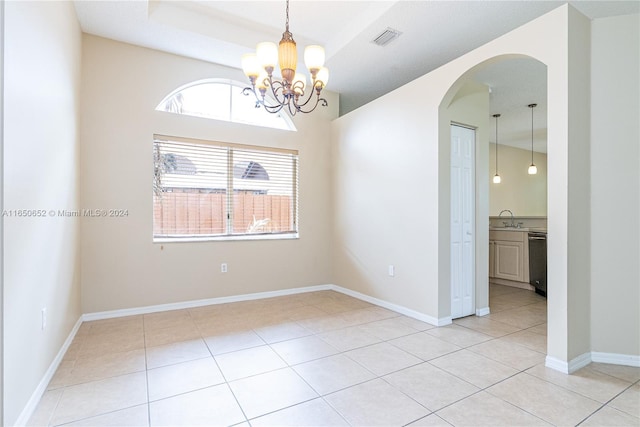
532 167
496 177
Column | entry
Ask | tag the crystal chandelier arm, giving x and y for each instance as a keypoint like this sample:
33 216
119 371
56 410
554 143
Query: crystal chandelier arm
260 100
316 87
298 107
277 87
298 88
283 100
273 108
248 90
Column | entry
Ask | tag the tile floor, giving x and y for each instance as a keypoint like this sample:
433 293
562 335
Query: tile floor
326 359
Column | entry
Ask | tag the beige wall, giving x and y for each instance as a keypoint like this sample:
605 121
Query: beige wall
2 207
385 153
521 193
398 142
615 185
385 186
577 152
41 258
121 266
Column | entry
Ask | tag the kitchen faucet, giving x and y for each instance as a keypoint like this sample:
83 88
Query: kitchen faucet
513 224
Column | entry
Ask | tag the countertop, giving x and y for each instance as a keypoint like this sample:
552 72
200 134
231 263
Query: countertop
536 229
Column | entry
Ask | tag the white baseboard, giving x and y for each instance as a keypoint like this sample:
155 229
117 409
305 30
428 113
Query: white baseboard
594 356
551 362
616 359
579 362
556 364
570 366
199 303
513 284
262 295
482 311
394 307
31 405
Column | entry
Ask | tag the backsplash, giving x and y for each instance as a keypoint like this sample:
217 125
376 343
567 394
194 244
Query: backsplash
527 221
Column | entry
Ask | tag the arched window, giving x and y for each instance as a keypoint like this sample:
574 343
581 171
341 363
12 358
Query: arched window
222 99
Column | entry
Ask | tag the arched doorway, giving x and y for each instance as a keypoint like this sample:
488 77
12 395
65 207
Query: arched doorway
568 195
469 101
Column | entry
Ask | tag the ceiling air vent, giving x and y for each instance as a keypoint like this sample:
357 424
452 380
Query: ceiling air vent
386 37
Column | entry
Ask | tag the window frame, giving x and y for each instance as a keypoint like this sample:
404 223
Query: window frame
229 192
233 84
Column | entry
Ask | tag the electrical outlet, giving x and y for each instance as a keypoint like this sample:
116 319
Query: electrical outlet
392 270
223 267
44 318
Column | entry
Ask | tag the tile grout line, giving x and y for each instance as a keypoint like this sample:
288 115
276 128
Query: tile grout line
577 392
340 352
502 336
382 340
55 408
235 398
146 371
608 402
320 396
64 388
288 366
316 334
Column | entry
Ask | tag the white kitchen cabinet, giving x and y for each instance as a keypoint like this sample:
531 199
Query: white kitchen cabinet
492 260
509 262
508 256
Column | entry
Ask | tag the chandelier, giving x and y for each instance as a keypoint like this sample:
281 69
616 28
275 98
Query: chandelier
290 91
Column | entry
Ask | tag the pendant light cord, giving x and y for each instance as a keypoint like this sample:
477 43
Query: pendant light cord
532 134
532 106
496 116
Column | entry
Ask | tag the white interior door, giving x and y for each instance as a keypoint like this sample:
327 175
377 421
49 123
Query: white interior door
462 221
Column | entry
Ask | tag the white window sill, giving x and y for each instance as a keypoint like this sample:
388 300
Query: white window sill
191 239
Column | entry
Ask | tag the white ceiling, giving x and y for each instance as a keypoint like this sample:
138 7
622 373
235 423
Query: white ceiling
433 33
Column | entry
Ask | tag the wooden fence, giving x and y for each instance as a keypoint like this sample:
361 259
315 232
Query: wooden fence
188 212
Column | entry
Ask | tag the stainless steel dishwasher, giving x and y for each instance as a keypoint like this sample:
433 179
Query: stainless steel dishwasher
538 261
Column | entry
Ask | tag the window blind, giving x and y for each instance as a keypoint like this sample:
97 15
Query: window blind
205 189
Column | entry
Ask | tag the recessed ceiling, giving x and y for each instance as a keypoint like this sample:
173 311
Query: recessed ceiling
433 33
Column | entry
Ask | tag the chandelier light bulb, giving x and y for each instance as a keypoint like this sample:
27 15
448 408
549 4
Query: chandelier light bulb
323 76
299 81
267 54
250 65
262 82
314 57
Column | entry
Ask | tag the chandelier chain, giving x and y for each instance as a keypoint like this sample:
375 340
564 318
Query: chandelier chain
287 21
